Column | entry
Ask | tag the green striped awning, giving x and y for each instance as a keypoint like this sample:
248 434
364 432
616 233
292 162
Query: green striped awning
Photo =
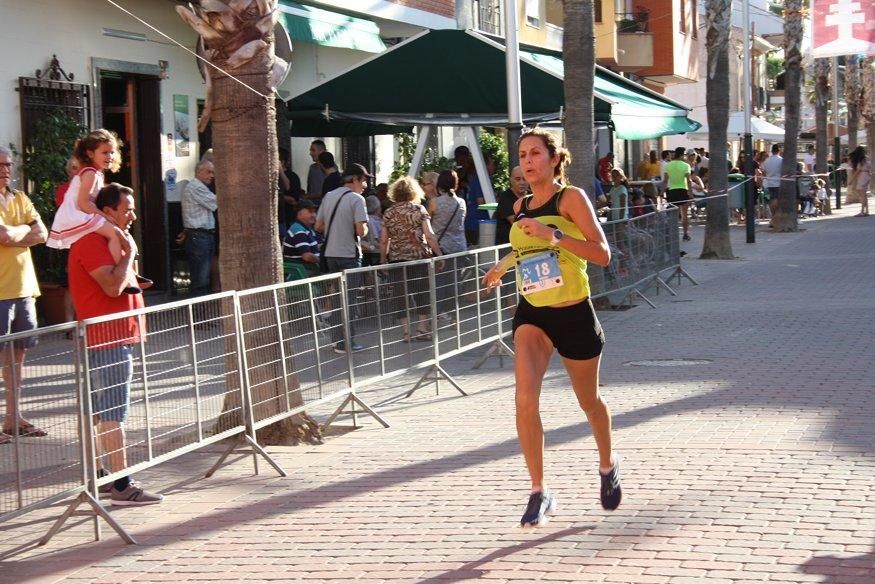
635 112
330 29
632 110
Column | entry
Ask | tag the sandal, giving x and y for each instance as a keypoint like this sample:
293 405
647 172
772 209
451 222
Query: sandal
422 336
27 429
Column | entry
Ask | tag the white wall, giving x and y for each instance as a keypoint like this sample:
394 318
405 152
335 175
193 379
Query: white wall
33 30
761 19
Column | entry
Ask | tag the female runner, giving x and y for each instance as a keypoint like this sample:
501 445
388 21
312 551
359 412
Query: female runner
555 234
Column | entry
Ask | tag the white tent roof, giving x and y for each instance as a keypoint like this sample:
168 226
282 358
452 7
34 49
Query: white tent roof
759 129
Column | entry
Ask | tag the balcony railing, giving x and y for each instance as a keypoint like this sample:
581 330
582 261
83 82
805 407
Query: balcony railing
638 21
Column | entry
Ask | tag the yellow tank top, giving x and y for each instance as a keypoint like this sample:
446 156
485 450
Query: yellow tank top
575 284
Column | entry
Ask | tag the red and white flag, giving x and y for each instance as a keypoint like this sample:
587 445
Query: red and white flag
842 27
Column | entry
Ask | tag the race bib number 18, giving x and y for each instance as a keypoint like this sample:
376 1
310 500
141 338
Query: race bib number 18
539 272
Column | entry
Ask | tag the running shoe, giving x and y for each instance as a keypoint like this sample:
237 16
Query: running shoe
541 505
340 348
611 492
134 496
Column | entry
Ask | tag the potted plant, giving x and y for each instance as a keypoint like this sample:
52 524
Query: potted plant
627 25
44 165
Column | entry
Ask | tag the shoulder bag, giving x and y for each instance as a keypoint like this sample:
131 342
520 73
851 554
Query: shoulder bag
323 261
450 222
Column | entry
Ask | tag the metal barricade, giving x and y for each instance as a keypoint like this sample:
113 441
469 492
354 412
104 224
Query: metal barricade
44 465
390 319
392 322
670 255
468 315
294 340
181 365
159 382
183 375
641 248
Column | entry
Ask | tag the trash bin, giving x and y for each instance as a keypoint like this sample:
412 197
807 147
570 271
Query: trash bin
736 186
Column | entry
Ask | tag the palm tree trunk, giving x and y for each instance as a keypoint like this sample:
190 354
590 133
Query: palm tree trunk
868 101
852 98
245 146
239 40
821 107
785 218
717 244
578 51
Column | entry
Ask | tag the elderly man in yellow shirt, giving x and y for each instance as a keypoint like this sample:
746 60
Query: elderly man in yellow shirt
20 228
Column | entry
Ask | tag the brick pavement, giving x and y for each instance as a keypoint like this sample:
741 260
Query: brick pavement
753 466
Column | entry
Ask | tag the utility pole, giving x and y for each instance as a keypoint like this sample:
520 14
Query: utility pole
514 97
749 191
836 141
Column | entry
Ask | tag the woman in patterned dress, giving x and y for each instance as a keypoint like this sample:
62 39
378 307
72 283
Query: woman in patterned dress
407 236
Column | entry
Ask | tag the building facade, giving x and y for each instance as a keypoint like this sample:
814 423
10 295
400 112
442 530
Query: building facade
135 79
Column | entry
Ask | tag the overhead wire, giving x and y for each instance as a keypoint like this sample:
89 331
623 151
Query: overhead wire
180 45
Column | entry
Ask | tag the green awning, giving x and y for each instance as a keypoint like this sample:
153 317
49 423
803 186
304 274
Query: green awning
315 124
635 112
460 98
330 29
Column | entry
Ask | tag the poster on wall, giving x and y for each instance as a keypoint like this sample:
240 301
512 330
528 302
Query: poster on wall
181 125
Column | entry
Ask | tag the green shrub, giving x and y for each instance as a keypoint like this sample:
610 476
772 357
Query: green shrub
44 165
492 145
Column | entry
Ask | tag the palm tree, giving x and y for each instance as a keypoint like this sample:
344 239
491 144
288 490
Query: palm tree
853 91
820 99
868 101
578 52
785 217
716 244
821 107
238 38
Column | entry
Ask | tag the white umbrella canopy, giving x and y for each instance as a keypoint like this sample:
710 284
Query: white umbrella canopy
759 129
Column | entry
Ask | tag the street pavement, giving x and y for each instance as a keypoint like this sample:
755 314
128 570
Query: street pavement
743 411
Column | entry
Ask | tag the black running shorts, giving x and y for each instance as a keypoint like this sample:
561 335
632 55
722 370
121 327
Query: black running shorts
574 330
676 196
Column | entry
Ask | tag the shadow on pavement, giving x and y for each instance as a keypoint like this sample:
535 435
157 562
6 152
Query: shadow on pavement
284 503
752 384
843 570
479 568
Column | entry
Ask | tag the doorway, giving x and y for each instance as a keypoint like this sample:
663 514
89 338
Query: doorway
129 104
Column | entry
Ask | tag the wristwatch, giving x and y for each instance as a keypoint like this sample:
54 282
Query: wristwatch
557 237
